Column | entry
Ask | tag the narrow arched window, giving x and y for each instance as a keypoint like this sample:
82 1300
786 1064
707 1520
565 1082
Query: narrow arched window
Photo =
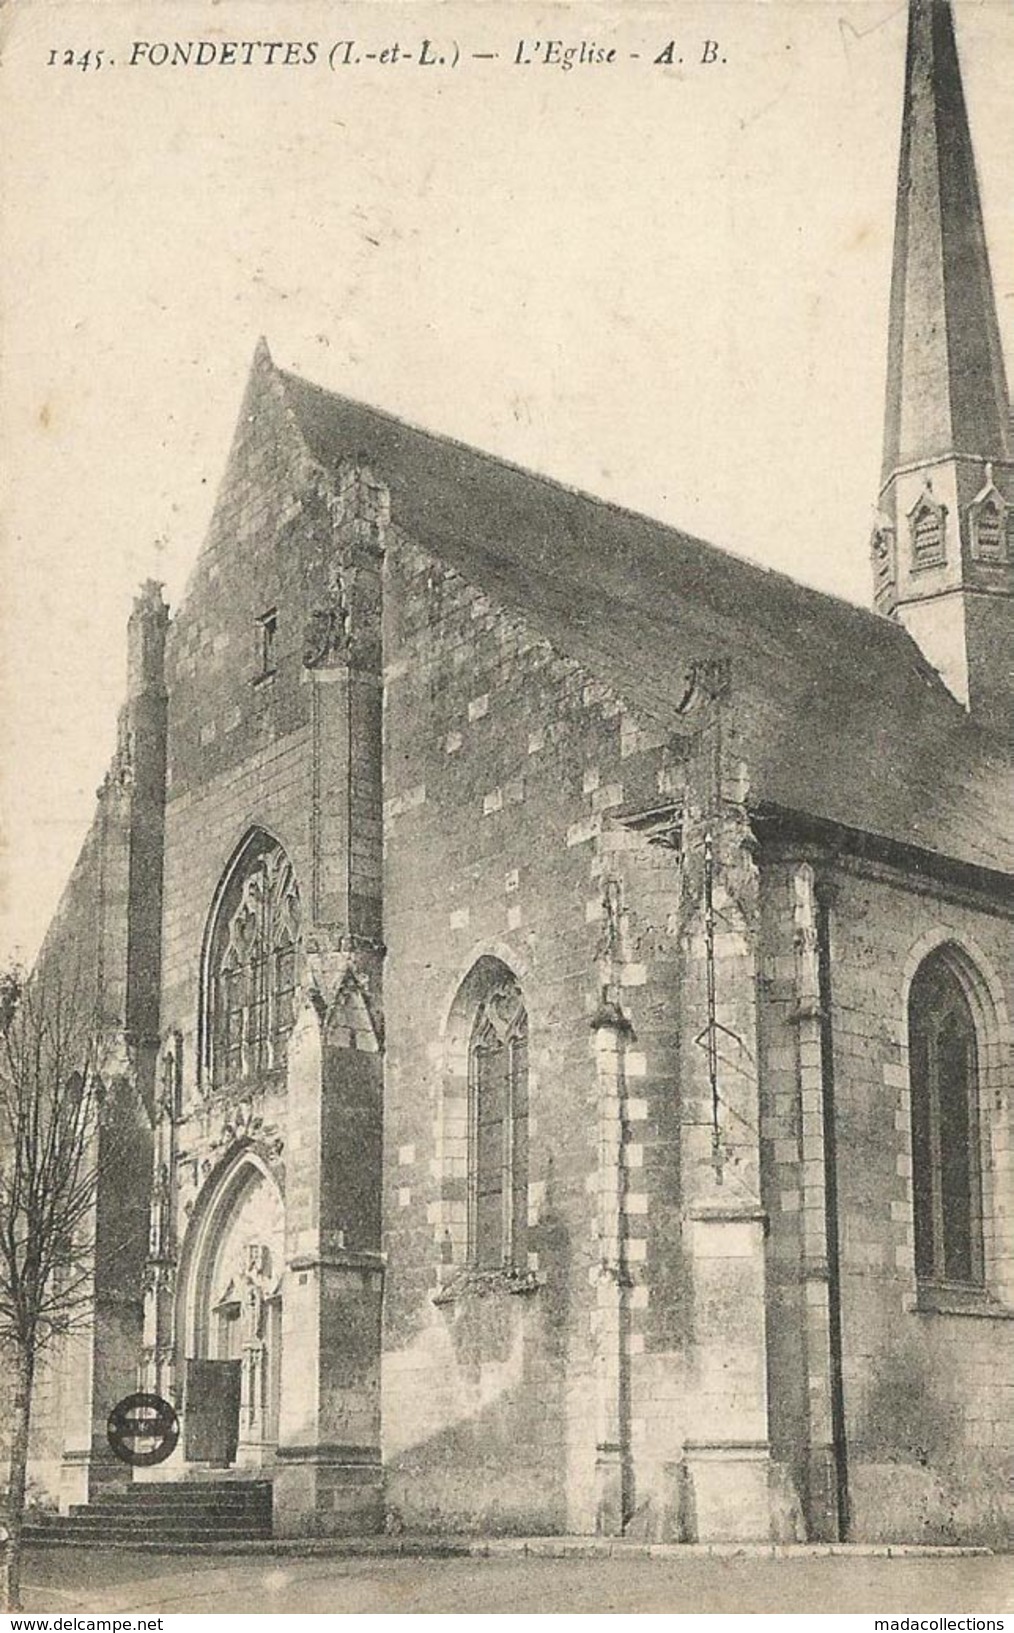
251 971
498 1106
946 1178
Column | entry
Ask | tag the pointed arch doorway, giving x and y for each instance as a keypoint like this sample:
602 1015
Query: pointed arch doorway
233 1320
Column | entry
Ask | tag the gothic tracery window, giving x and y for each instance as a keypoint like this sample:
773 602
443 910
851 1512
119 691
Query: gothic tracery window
498 1097
946 1181
251 975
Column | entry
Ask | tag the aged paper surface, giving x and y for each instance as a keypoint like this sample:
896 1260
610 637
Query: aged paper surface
643 249
662 278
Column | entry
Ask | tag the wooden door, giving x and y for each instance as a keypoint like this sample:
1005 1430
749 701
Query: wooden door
211 1411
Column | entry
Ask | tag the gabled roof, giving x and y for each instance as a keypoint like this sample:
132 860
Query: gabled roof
833 709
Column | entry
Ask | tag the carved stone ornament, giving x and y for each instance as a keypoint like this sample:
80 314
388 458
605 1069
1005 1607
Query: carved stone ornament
243 1123
123 772
470 1283
708 680
255 1290
610 947
324 971
160 1214
882 543
159 1275
326 634
331 963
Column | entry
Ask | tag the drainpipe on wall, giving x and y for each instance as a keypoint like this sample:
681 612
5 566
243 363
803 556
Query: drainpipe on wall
612 1452
834 1299
825 1470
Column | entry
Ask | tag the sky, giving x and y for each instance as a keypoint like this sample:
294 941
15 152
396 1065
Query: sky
665 283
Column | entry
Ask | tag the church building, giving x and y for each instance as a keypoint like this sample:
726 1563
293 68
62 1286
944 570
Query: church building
567 974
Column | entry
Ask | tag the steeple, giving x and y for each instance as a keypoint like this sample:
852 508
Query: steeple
944 542
946 386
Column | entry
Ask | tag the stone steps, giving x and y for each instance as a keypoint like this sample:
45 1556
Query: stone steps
180 1512
188 1497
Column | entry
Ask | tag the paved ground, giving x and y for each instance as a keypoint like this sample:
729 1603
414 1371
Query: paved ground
65 1579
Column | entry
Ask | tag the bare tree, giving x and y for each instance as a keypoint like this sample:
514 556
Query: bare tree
51 1109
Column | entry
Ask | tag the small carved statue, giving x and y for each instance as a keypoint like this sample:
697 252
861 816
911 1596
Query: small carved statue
326 636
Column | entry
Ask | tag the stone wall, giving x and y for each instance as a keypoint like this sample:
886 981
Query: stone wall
100 961
516 829
274 727
928 1397
658 1358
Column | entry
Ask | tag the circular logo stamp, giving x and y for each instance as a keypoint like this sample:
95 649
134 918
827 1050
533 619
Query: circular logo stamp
143 1430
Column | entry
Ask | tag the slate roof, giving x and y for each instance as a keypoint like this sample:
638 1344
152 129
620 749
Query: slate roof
833 709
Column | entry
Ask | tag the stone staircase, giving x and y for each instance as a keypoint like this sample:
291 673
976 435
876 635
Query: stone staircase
182 1512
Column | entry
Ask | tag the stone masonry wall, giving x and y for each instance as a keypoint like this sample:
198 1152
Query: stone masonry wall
240 757
274 725
929 1395
240 730
506 767
99 960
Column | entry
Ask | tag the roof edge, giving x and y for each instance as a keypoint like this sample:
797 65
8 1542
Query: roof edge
783 821
289 378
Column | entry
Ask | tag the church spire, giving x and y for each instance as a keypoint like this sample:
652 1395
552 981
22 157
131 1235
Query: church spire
946 384
943 546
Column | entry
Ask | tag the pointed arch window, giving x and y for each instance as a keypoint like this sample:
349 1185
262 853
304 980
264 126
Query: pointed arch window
946 1174
498 1127
989 531
251 973
927 522
991 523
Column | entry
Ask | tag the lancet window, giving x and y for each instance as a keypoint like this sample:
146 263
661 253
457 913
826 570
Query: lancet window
498 1096
946 1182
